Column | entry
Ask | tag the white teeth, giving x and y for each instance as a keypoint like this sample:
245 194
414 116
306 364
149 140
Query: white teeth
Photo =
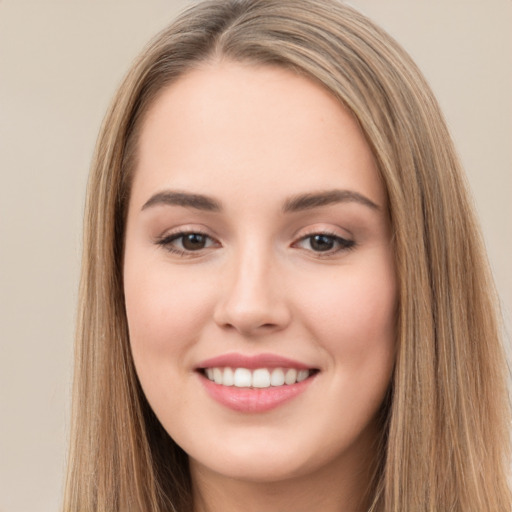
217 375
242 378
277 377
290 376
259 378
302 375
228 378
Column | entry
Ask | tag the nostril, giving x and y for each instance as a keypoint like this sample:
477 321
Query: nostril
250 307
247 321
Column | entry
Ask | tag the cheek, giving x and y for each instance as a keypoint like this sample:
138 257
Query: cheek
353 316
164 310
165 313
354 324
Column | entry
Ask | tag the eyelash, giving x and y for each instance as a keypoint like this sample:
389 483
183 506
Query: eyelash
343 244
167 242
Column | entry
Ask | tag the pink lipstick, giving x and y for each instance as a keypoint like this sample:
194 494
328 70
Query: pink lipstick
254 384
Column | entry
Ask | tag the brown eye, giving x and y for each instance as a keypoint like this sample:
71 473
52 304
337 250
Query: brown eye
322 243
325 243
194 241
187 243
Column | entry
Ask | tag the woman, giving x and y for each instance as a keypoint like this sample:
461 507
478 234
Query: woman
277 236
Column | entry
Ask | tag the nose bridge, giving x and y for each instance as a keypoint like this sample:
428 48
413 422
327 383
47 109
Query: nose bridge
252 275
252 298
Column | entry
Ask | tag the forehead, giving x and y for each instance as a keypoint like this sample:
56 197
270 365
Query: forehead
225 123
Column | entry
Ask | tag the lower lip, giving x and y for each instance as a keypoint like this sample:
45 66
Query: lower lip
254 400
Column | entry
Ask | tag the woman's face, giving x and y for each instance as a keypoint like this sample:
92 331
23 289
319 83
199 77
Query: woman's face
259 275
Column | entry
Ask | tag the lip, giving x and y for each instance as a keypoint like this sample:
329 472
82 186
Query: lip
253 400
265 360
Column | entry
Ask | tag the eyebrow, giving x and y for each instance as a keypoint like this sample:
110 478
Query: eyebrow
171 198
315 200
296 203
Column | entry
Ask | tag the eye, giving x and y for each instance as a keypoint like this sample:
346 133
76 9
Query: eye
325 243
184 243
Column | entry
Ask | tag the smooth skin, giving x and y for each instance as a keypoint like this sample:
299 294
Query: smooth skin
253 274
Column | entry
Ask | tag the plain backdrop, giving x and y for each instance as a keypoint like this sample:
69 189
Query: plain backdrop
60 63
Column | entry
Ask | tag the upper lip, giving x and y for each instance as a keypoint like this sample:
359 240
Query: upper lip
265 360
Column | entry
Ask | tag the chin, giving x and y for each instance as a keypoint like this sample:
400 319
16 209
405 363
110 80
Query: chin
264 461
269 456
257 469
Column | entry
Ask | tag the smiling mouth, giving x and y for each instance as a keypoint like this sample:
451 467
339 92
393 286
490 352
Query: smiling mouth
258 378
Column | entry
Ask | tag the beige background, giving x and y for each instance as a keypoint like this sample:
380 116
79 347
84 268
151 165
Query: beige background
60 62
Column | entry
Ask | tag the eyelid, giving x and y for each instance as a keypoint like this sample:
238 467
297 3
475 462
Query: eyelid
185 229
344 243
165 240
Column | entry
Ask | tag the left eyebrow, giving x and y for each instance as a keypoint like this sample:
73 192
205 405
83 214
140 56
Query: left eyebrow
315 200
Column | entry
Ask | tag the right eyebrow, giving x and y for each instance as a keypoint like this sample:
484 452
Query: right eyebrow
175 198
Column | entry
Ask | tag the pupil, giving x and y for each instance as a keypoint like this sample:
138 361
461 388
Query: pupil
322 243
194 241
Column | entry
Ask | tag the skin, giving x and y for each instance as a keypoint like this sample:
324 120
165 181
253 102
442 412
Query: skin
241 135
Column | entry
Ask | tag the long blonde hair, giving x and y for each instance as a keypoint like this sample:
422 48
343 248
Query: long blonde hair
445 442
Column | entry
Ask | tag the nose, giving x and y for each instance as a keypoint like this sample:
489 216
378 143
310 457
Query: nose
253 298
